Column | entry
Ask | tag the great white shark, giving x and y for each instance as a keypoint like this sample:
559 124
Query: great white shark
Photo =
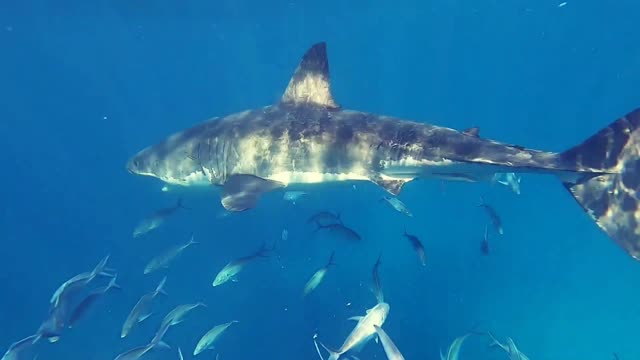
308 138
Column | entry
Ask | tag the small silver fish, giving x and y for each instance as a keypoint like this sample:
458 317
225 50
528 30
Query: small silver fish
208 339
510 180
86 303
397 205
318 276
454 350
81 280
140 351
156 219
293 196
163 260
52 327
493 216
363 331
232 269
417 246
340 231
140 311
174 317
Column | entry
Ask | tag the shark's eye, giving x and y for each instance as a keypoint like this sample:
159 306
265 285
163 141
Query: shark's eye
136 163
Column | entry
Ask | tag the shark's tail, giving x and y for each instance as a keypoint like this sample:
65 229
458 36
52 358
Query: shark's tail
610 189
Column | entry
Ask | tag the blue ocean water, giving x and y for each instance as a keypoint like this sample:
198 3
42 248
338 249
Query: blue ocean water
85 85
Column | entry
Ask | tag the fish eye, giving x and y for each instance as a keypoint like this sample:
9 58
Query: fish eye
136 163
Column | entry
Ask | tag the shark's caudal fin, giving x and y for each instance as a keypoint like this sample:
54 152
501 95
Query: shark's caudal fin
611 194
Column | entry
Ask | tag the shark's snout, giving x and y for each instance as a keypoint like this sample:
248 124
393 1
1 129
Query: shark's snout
133 165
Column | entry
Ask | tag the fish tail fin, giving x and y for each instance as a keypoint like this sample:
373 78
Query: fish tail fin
315 343
192 241
160 288
379 296
482 202
112 284
108 272
264 251
318 227
609 186
494 341
200 303
180 205
331 262
333 354
99 269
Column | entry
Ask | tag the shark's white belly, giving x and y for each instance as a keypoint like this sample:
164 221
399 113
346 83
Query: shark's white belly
313 177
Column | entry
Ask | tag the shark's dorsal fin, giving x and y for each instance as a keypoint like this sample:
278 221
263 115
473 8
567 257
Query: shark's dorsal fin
473 131
310 83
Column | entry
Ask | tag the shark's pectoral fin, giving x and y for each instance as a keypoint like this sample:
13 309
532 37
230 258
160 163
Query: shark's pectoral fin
241 192
393 187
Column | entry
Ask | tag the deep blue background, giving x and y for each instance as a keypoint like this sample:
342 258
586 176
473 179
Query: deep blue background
85 85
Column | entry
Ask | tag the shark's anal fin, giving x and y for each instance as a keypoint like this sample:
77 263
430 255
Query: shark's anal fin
241 192
310 83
